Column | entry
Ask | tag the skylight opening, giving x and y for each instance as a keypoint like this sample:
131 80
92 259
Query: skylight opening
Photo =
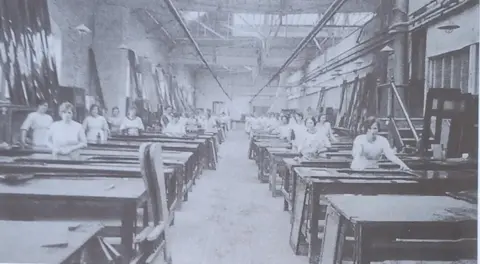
192 15
351 19
241 19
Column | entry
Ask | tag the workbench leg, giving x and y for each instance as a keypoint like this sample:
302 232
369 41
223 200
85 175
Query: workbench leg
128 230
314 216
180 188
273 178
286 183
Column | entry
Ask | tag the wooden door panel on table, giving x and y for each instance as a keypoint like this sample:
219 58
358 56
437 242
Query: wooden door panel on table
124 195
437 228
180 159
28 242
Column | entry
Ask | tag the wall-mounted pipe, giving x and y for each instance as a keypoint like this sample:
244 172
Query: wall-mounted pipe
329 13
438 12
178 17
363 49
432 14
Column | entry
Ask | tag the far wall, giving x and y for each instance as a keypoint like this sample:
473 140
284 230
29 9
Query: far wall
240 87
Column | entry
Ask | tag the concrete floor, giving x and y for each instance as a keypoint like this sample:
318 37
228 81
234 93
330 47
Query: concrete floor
230 217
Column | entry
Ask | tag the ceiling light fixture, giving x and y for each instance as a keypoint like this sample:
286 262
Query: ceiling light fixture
387 49
82 29
123 47
449 27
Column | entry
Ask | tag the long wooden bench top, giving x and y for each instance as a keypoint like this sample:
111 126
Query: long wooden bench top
402 208
24 242
77 188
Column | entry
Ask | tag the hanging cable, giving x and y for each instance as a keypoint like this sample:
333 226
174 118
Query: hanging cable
178 17
329 13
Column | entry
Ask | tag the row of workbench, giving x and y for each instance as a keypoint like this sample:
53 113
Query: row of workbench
112 205
338 214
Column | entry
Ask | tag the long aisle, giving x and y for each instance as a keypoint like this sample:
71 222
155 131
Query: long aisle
230 217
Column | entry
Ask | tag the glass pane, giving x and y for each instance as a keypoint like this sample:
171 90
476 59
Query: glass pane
464 60
445 132
476 72
449 105
457 72
447 71
437 73
435 104
433 126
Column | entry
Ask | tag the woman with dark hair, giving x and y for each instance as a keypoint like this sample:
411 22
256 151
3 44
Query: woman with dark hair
298 126
132 125
324 127
66 137
369 147
166 116
284 130
210 122
95 126
39 122
312 142
175 128
115 121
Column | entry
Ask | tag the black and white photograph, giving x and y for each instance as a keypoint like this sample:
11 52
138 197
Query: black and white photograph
239 131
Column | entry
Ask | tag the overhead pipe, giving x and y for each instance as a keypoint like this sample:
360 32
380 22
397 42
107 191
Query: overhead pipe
365 49
178 17
329 13
161 27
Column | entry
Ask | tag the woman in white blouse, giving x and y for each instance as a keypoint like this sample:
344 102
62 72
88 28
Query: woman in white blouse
312 142
175 128
39 122
325 128
132 125
66 137
284 130
115 121
369 148
95 126
210 123
298 127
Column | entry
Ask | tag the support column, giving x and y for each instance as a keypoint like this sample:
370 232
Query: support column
400 47
472 69
110 28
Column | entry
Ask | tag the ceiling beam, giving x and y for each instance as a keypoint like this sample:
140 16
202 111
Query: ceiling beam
167 34
209 29
251 6
232 61
274 6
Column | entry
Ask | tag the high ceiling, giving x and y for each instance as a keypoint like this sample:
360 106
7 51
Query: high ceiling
247 35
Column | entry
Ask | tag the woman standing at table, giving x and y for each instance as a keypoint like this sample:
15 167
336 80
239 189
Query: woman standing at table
132 125
175 128
311 141
95 126
192 123
298 126
39 122
324 127
66 137
368 148
115 121
210 123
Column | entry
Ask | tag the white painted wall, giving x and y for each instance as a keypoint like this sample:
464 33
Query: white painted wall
438 41
239 86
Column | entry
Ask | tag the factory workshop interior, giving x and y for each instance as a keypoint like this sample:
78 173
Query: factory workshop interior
238 131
